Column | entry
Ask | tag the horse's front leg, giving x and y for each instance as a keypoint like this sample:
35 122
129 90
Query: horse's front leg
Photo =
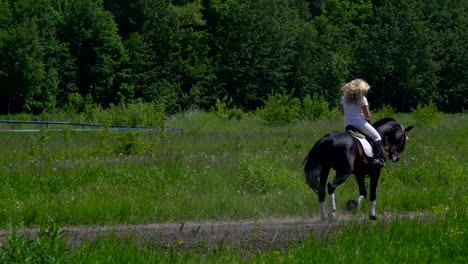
353 204
362 189
374 181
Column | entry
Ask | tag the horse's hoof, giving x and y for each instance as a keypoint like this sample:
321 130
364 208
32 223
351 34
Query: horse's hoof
372 217
331 217
351 205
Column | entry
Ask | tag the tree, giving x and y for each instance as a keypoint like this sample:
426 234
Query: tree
6 17
100 56
154 54
328 46
21 67
254 47
129 15
448 20
196 67
59 79
399 57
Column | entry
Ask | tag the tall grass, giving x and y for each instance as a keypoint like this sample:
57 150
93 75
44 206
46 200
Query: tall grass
216 168
435 240
232 169
438 237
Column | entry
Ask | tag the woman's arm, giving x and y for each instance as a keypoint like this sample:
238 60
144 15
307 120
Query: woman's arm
366 113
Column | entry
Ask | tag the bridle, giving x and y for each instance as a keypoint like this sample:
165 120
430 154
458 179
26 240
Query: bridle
399 146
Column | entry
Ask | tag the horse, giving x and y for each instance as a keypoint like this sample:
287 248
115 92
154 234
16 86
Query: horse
344 153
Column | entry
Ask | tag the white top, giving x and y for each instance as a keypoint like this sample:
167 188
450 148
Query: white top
353 111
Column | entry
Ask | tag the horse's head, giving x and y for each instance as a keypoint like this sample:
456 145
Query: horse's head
396 142
394 137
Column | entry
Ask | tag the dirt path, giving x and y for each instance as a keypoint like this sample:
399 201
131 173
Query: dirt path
255 234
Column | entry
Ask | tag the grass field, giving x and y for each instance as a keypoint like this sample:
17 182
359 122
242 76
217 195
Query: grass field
225 169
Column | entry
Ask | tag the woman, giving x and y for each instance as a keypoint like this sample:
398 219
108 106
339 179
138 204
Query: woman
355 109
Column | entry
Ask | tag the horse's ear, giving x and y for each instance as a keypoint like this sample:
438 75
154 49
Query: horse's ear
408 128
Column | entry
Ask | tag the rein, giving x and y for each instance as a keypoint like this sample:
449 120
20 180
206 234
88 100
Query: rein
399 146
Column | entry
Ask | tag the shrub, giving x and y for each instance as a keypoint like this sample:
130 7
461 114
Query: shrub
223 109
280 109
136 113
260 176
20 116
75 103
314 108
47 247
385 111
333 114
426 115
132 142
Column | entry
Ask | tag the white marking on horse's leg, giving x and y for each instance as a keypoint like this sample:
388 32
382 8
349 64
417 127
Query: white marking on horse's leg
372 209
323 212
359 200
332 202
332 207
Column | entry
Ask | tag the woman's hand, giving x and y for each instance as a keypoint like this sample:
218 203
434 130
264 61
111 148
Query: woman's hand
366 113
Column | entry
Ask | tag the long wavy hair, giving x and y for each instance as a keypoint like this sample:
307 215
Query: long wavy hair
355 90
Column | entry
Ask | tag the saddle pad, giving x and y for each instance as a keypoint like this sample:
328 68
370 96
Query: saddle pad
365 145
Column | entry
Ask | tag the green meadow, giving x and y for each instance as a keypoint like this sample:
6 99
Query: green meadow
217 169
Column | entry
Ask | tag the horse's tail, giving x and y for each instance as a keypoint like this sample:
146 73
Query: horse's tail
313 165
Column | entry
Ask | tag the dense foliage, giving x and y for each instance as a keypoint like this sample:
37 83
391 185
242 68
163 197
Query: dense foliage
190 53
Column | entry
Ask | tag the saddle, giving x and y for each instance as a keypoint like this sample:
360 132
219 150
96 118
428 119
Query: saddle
366 143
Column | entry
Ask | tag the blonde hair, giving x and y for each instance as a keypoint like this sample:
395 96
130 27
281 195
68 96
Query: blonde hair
355 90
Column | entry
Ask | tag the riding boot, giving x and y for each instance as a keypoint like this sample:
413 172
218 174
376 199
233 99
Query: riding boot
377 148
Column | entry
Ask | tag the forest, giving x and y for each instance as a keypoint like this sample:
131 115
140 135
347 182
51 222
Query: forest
186 54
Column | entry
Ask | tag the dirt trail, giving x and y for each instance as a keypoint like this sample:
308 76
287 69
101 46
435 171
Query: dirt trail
255 234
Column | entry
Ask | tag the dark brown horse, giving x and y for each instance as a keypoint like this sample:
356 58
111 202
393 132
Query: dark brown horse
343 153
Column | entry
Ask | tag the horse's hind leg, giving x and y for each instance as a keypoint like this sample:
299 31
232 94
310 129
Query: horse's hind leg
321 193
341 176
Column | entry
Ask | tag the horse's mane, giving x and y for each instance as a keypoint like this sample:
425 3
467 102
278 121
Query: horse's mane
384 121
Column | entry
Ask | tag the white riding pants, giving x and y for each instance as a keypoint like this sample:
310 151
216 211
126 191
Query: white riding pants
365 127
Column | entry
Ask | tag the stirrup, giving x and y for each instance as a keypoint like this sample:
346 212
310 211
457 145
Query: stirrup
378 162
